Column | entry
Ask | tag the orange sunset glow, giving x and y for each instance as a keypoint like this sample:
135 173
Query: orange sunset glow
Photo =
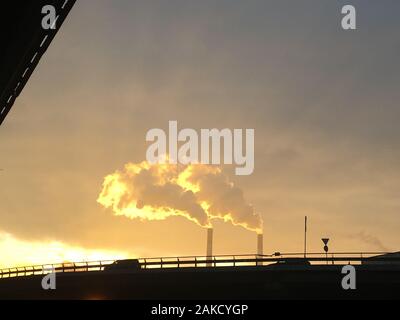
197 192
75 184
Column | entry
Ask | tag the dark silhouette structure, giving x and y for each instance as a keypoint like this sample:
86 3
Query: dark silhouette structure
239 277
23 42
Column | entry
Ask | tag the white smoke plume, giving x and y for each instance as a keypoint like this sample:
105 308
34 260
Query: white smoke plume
197 192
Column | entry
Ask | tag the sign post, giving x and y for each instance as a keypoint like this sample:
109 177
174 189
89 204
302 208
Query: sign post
326 249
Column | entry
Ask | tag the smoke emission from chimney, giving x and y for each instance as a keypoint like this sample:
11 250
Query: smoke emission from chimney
197 192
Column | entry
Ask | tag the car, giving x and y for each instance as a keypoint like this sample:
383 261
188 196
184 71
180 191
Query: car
292 262
128 264
295 261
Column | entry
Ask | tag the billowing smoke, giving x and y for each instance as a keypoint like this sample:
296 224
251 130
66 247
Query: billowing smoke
220 197
371 240
197 192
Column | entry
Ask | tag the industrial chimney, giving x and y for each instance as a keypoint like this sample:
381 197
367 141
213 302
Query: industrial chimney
260 247
210 233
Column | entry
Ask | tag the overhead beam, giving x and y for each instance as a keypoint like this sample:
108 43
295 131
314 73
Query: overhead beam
23 43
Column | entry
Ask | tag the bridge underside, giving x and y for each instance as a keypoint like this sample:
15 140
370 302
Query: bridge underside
296 282
23 42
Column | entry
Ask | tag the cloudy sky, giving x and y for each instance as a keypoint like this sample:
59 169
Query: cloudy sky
324 104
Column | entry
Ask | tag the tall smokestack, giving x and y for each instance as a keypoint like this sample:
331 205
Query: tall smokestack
260 247
210 234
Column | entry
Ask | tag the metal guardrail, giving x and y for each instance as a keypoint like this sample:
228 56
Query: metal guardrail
203 262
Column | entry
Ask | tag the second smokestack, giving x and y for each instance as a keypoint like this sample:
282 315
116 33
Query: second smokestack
260 247
260 244
210 234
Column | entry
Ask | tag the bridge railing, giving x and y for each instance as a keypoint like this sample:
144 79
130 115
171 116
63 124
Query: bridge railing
207 262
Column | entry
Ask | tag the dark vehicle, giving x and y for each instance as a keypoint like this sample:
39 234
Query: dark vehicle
292 262
295 261
124 265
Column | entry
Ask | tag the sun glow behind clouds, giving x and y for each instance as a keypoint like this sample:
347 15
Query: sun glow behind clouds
198 192
15 252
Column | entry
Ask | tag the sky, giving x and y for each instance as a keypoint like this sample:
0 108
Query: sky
323 103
